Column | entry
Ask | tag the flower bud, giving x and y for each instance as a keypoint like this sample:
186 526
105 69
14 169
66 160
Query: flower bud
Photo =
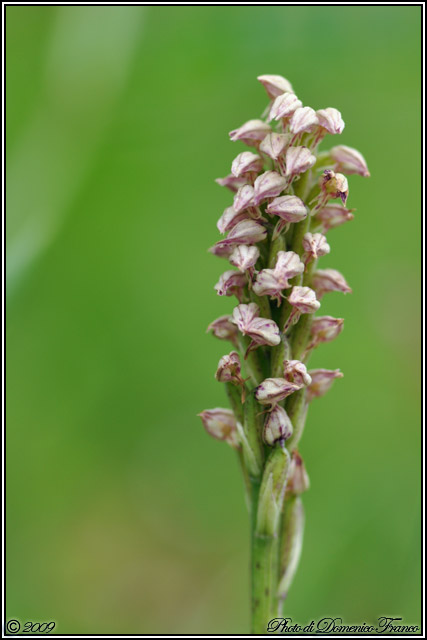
244 257
224 329
274 144
304 300
303 119
289 209
277 426
268 185
271 282
331 120
229 369
325 280
334 185
245 232
274 390
250 132
231 283
284 106
333 215
245 162
243 198
298 160
349 161
326 328
315 245
298 480
296 372
230 218
221 424
322 380
221 250
231 182
275 85
260 330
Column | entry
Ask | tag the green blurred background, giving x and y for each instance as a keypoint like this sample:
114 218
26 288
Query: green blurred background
123 516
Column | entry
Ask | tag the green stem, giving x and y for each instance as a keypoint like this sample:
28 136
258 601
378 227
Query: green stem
265 567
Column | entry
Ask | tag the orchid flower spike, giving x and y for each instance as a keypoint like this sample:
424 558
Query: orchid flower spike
286 197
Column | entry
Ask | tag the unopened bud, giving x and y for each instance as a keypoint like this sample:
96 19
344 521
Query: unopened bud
224 329
304 300
321 382
315 245
231 283
274 144
326 280
268 185
298 160
274 390
221 424
296 372
298 481
231 182
244 257
326 328
246 162
251 132
331 120
275 85
277 426
349 161
333 215
284 106
303 119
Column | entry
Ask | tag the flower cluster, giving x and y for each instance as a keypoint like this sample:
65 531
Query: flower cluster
287 196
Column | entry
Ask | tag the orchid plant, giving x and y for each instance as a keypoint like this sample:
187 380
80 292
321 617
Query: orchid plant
275 234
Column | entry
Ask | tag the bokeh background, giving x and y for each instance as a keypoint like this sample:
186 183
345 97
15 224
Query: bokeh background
123 516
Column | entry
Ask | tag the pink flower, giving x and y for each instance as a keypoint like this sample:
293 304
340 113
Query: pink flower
224 329
229 369
284 106
250 132
244 257
231 182
303 119
332 215
331 120
274 390
325 280
326 328
289 209
271 282
268 185
243 198
277 426
221 424
322 380
315 245
349 161
221 250
245 162
298 160
304 300
231 283
230 218
260 330
296 372
298 480
245 232
275 85
274 144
